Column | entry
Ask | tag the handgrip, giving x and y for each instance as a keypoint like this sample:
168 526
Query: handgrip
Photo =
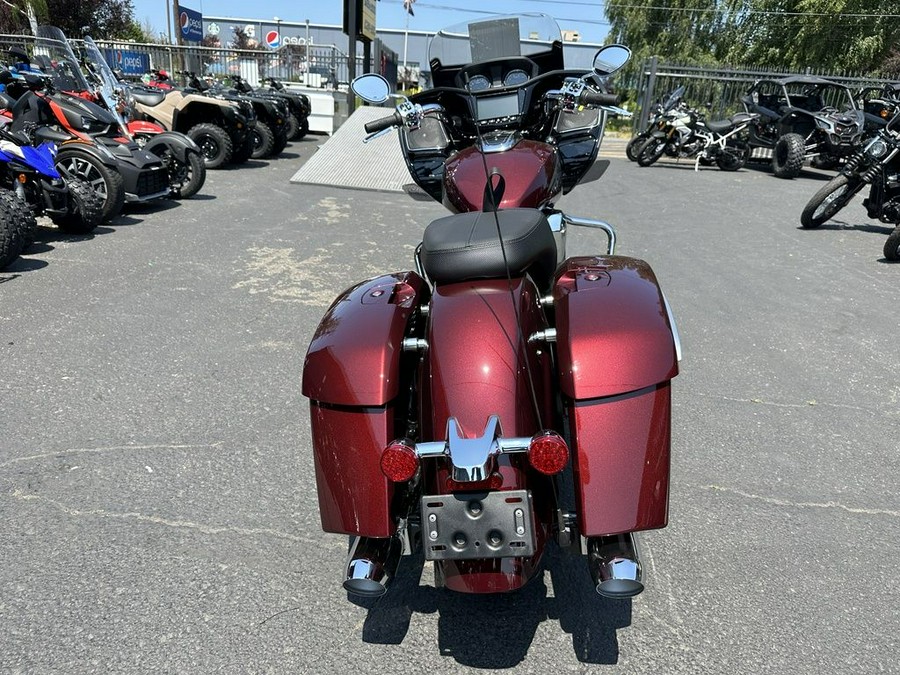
384 123
598 98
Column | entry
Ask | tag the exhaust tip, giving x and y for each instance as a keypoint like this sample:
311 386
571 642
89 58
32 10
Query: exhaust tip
367 588
618 589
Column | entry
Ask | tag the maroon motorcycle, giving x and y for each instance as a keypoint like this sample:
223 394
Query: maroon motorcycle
501 395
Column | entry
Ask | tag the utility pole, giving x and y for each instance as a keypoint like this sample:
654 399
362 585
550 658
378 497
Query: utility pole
176 13
352 29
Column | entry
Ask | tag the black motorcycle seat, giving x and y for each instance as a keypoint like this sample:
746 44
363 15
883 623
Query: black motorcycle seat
148 97
466 246
720 126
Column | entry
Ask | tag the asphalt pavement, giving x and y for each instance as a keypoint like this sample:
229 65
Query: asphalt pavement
157 495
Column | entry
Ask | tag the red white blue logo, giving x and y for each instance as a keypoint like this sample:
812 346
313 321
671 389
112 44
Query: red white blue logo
273 39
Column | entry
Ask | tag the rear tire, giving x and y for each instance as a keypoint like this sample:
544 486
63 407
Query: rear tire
788 156
831 198
242 152
214 142
85 209
105 181
304 129
292 125
263 140
892 245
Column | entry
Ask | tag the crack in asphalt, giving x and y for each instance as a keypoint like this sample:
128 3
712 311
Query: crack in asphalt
112 448
818 505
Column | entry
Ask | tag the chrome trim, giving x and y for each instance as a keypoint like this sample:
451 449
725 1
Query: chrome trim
414 345
371 565
472 459
675 337
420 270
498 141
548 335
597 224
547 300
558 228
615 565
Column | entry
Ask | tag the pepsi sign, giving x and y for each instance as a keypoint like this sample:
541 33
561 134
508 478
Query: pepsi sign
191 24
273 39
130 63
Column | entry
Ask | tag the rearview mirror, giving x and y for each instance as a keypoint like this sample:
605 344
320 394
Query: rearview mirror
371 87
610 58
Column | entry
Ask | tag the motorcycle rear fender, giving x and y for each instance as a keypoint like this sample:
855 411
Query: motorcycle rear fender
617 354
351 376
178 143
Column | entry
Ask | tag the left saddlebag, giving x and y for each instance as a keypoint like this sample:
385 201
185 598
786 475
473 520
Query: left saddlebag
352 377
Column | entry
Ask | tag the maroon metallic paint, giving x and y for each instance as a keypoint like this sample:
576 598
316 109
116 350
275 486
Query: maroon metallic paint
621 446
351 376
613 333
530 170
475 368
354 496
616 355
363 330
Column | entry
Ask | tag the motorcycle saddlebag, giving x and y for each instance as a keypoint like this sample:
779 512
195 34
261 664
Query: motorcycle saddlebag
616 357
351 376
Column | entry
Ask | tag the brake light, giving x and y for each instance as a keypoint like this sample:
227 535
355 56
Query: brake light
399 462
548 452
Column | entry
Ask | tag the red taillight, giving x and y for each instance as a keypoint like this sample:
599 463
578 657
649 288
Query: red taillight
548 452
399 462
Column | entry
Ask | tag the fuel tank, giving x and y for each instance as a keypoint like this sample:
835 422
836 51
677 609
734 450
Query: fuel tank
530 170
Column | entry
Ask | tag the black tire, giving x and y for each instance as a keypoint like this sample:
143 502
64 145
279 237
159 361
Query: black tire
215 144
292 125
281 141
242 152
26 221
634 145
304 129
185 178
103 180
11 243
85 209
263 140
830 198
788 156
733 157
892 245
651 151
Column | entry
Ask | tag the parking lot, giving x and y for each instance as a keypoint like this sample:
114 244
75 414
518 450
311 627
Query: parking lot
157 495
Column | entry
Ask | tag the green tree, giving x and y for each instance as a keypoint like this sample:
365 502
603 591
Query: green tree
110 19
14 19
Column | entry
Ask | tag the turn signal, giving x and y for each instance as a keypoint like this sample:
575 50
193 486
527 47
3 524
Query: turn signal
548 452
399 462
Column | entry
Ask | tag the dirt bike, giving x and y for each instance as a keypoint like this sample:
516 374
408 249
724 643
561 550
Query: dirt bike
876 165
502 395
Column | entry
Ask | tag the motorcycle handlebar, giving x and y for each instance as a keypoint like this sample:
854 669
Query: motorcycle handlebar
384 123
598 98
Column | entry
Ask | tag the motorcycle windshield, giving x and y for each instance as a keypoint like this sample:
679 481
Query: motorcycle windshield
674 98
54 56
110 89
494 37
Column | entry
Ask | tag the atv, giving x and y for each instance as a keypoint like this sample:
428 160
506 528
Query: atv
299 106
804 118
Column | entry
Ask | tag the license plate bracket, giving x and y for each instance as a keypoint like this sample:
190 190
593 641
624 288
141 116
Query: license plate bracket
471 525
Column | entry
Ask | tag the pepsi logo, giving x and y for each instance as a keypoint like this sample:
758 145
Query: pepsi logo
273 39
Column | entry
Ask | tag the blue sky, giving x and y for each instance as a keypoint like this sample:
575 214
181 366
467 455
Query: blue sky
585 16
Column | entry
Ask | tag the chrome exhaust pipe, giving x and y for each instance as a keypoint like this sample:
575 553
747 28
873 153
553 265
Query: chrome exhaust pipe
615 565
372 565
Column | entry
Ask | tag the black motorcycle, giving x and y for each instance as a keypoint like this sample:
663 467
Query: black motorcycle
658 115
876 165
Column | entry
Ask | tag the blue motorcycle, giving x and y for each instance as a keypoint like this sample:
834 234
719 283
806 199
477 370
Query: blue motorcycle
28 170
